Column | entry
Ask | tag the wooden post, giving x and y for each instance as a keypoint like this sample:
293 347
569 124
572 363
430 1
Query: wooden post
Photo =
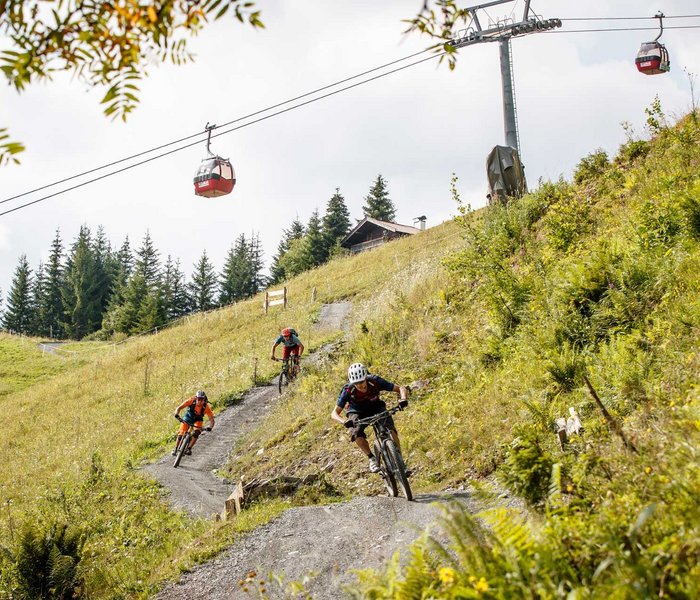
284 305
234 501
313 294
267 301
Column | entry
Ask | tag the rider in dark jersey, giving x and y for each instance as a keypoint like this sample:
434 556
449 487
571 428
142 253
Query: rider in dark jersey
361 398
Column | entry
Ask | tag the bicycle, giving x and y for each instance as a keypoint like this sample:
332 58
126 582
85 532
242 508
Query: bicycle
181 448
290 370
387 454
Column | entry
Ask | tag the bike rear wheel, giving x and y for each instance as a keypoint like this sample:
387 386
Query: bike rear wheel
400 470
385 470
184 444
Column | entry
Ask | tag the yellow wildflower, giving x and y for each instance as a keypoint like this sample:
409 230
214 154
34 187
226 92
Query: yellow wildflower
481 585
446 575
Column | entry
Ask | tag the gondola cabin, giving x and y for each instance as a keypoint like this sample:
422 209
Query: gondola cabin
215 177
652 59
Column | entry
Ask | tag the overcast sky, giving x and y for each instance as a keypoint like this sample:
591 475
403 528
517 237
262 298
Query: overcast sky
415 127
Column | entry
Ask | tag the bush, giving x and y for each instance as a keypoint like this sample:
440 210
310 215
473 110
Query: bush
592 166
47 560
528 467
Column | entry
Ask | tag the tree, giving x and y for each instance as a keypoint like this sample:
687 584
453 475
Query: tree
50 304
81 302
37 292
237 277
203 285
315 247
19 312
336 222
257 263
147 263
104 268
104 44
176 300
378 205
295 232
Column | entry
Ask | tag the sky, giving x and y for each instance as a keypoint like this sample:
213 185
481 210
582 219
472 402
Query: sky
416 127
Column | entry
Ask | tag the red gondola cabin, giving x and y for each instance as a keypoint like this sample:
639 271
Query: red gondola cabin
215 177
652 59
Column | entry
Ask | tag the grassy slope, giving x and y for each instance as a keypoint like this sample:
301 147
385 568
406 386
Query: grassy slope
22 363
597 278
80 433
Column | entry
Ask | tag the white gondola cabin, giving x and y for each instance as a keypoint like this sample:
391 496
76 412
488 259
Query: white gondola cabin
215 175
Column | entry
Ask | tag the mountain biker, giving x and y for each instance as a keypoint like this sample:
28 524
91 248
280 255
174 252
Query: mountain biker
361 397
197 407
292 344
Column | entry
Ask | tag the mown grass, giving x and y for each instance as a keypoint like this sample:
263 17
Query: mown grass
82 434
23 363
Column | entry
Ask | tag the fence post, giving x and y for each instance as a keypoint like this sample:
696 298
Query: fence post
267 301
313 294
284 305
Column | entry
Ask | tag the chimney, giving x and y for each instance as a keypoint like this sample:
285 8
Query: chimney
420 220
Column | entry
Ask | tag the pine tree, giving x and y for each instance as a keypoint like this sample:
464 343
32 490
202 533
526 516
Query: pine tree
50 304
257 263
147 263
19 311
203 286
315 247
81 303
295 232
176 301
336 222
104 274
237 277
378 205
37 293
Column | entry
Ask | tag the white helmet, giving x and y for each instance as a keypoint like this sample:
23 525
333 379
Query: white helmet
357 373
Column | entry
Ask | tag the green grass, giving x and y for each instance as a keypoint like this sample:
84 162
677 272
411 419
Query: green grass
22 363
84 431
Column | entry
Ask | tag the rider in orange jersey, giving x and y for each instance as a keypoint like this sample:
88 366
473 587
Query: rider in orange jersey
197 408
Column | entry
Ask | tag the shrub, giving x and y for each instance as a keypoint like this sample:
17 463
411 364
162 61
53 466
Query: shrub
592 166
47 560
528 467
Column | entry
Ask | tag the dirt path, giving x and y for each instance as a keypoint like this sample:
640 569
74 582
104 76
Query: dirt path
193 485
322 542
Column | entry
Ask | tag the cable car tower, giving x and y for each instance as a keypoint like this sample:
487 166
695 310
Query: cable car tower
502 31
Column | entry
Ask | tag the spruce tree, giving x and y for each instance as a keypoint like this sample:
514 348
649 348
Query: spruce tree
315 247
295 232
257 263
50 303
203 286
104 274
336 222
176 301
19 312
237 277
37 293
147 262
81 302
378 204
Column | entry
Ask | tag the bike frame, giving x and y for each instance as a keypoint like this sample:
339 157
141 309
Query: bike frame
391 463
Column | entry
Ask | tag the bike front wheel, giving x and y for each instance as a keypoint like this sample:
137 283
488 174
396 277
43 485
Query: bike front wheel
400 469
184 444
385 470
282 381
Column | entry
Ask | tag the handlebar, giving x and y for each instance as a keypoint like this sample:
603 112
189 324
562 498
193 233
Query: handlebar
390 411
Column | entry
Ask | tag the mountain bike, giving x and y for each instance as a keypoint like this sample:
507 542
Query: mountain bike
181 448
289 372
391 465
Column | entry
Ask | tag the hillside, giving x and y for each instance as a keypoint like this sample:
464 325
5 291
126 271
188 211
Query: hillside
82 434
582 294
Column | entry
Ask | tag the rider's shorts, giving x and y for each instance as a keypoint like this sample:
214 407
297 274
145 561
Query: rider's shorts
184 427
287 350
372 408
